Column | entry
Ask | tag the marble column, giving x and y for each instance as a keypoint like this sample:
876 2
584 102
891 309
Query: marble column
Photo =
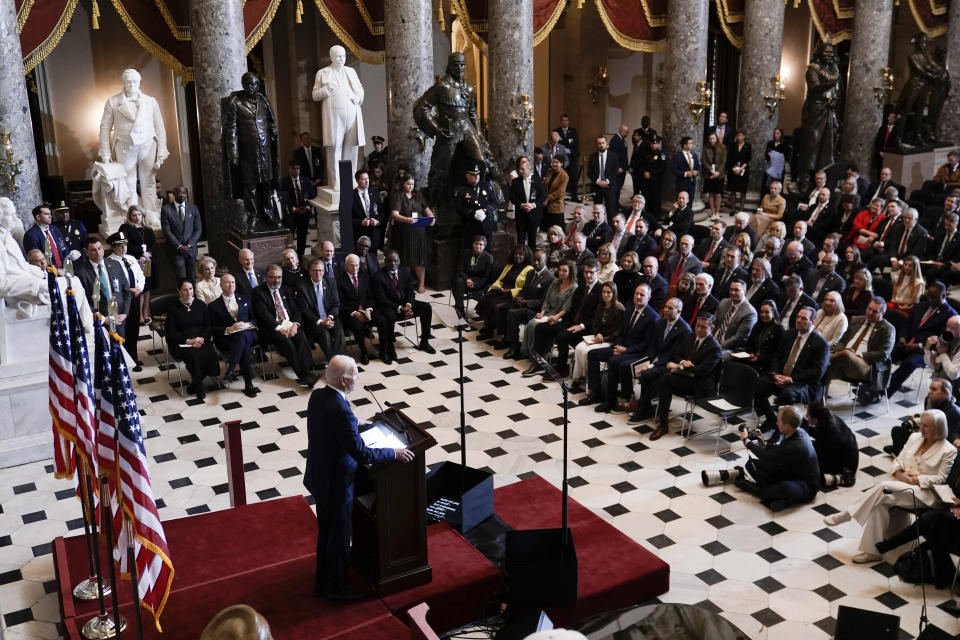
869 52
510 41
15 115
762 44
949 127
409 58
684 65
219 59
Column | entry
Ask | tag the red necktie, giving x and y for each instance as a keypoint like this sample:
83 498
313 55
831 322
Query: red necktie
886 137
676 274
706 258
926 316
696 309
903 243
356 284
53 248
281 315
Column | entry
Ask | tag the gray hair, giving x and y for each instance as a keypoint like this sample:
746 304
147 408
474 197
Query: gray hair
939 423
338 367
765 265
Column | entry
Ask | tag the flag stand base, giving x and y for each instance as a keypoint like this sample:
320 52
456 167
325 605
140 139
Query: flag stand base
102 627
87 589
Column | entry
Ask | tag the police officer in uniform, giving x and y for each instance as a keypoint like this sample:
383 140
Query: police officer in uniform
378 155
74 233
476 206
652 167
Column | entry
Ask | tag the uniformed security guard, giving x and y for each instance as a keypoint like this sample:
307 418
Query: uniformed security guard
378 155
74 233
476 205
135 281
651 177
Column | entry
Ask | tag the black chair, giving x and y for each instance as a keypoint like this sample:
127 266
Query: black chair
735 396
159 305
880 374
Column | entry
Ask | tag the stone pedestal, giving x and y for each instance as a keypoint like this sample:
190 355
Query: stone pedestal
408 35
267 246
511 76
328 220
868 54
762 44
446 254
25 423
950 116
912 169
219 59
15 115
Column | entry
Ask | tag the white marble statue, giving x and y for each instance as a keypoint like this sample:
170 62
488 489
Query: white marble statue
338 89
139 143
22 285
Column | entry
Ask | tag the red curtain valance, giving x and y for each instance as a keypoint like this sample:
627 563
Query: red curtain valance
730 16
642 30
473 17
358 24
834 17
41 25
930 15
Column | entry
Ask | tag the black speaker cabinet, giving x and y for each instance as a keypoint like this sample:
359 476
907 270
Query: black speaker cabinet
537 572
461 496
857 624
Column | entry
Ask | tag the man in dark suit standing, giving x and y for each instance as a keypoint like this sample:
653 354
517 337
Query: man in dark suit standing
691 371
299 189
473 273
527 196
109 275
633 341
180 221
353 287
395 300
796 371
231 320
367 211
887 139
310 159
334 448
724 131
602 174
320 309
618 145
278 323
685 166
571 140
476 206
43 234
248 277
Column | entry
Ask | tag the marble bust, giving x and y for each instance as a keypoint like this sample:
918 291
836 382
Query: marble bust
338 89
21 284
139 143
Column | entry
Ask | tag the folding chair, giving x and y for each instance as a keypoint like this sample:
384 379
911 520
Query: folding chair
737 384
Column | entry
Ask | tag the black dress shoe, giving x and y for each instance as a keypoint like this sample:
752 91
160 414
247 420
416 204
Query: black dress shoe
747 486
484 334
603 407
138 368
501 344
344 595
532 370
590 399
250 392
512 352
364 358
229 379
426 348
385 356
640 415
201 394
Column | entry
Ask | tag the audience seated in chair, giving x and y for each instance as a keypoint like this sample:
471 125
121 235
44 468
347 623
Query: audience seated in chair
231 320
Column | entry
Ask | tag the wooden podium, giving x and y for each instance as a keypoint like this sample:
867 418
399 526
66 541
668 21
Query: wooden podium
390 513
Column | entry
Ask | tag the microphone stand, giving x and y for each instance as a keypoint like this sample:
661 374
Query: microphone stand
402 429
924 621
563 485
462 324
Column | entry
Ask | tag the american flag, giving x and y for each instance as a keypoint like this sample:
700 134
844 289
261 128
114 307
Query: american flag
106 437
82 387
154 568
62 405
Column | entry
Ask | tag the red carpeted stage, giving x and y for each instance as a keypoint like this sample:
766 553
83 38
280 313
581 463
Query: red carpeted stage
262 555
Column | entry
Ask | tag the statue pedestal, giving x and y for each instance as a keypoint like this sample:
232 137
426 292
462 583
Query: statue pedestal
327 198
328 218
25 423
267 246
911 168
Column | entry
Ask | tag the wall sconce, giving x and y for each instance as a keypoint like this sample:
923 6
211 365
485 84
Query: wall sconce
9 167
885 90
523 121
772 102
702 102
598 86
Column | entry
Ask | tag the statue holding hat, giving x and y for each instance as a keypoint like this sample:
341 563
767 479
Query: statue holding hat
447 112
337 88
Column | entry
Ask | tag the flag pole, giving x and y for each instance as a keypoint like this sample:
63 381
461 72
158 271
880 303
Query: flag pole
121 624
86 589
100 626
134 578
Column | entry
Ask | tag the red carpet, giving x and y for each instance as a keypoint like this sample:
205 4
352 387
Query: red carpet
614 571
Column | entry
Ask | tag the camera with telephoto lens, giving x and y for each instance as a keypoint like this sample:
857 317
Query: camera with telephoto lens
944 340
752 434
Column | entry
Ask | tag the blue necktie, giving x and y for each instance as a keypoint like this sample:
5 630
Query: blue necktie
320 309
104 284
253 280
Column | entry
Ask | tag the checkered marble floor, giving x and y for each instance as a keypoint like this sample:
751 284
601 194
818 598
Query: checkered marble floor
780 575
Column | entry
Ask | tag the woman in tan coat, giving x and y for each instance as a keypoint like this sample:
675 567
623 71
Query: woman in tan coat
555 183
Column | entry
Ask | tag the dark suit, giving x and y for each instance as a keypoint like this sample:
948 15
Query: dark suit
375 233
831 282
84 269
691 309
768 290
801 267
314 169
571 140
722 279
597 234
803 301
389 298
945 252
807 375
510 313
355 299
786 469
478 270
236 346
716 256
680 221
663 349
679 166
658 290
699 380
296 350
607 195
636 336
334 447
916 332
876 190
243 281
331 340
466 201
583 307
179 234
35 239
690 265
732 232
527 221
619 147
644 246
299 209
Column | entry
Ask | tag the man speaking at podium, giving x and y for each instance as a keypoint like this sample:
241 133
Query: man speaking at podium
334 447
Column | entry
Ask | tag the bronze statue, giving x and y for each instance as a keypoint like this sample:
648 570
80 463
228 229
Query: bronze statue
939 90
447 111
250 145
914 95
818 119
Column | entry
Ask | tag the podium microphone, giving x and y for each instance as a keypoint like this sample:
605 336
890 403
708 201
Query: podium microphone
402 429
369 390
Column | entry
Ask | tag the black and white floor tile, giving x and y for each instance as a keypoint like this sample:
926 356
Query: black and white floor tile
777 576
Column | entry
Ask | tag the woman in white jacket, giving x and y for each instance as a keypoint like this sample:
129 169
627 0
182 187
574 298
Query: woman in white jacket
925 461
